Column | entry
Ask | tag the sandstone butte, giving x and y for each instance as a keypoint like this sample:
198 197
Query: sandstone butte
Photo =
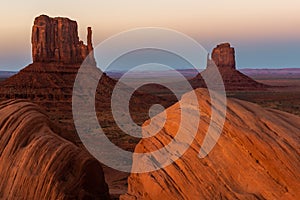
256 157
56 40
223 57
223 60
37 163
57 55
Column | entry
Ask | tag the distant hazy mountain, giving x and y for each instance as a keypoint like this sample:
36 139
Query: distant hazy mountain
272 73
190 73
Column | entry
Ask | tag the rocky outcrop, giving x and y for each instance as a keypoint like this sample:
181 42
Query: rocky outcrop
56 40
256 157
37 163
224 56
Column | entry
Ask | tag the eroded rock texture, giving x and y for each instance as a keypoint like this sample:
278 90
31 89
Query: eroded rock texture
37 163
56 40
224 56
256 157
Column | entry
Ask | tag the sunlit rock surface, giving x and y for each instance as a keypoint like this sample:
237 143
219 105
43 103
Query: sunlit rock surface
256 157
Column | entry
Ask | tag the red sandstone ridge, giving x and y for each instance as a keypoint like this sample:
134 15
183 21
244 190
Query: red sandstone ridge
256 157
37 163
56 40
223 56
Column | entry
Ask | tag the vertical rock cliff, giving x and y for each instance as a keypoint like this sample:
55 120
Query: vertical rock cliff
224 56
56 40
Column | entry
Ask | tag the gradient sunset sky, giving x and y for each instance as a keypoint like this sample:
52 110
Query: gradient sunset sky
265 34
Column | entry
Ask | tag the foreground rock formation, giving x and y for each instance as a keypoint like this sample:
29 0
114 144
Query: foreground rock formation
223 56
37 163
256 157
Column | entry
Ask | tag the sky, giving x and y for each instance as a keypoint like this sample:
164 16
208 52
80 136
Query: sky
265 33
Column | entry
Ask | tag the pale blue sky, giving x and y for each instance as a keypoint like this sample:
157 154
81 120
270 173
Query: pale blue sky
264 33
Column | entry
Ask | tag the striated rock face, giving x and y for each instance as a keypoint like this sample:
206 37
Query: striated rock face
37 163
224 56
56 40
256 157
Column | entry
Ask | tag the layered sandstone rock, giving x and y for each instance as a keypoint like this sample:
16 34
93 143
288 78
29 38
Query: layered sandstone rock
224 56
56 40
256 157
37 163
